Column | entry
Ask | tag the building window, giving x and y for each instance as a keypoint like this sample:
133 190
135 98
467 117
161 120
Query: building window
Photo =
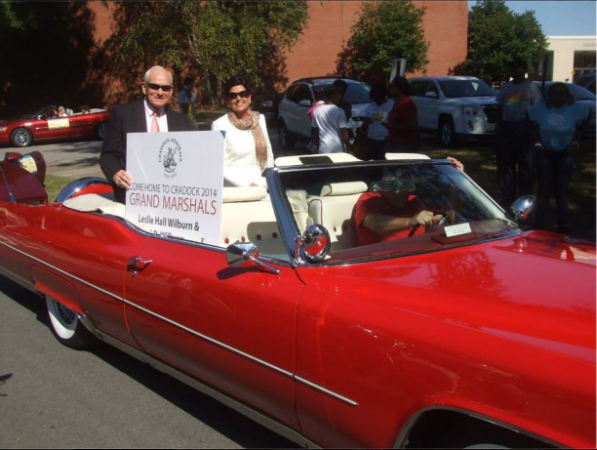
584 61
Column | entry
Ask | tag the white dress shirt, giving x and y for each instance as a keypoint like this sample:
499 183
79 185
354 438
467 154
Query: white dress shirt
162 119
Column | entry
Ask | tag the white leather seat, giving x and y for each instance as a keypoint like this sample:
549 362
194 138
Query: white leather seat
248 215
333 209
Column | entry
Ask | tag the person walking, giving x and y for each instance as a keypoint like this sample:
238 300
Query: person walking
149 114
514 154
330 120
558 124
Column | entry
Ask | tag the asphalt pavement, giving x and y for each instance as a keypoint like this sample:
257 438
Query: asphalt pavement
54 397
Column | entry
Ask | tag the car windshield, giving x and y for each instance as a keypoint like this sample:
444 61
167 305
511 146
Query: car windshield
356 92
341 199
466 88
46 111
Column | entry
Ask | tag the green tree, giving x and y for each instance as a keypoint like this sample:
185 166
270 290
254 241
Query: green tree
385 31
45 50
497 36
213 39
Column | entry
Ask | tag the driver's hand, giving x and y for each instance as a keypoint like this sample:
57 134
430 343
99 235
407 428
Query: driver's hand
424 218
436 218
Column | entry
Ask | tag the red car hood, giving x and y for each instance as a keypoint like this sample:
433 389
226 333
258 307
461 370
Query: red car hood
540 285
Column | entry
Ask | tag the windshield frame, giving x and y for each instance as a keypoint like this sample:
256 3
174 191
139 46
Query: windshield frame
290 232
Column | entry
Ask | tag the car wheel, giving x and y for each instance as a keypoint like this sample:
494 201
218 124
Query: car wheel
447 137
100 131
21 137
285 136
66 325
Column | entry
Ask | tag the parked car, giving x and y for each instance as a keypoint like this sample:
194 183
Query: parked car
44 125
268 106
454 106
587 80
580 95
300 96
475 331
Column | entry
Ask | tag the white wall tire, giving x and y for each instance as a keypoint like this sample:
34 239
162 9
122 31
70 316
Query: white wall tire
66 326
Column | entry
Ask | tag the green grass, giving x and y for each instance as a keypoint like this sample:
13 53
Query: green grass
54 185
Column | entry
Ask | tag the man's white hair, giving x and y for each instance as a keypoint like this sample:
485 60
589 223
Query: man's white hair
148 73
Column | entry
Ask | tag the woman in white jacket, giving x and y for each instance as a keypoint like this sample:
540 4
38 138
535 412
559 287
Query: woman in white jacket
248 151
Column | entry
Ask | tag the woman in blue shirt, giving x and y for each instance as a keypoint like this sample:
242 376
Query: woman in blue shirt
558 124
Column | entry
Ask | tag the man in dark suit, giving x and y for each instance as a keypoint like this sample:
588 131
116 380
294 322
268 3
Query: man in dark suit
150 114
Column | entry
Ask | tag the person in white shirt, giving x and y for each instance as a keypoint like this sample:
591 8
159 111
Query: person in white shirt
376 114
248 151
330 120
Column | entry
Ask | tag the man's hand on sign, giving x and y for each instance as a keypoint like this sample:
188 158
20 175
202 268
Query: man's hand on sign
123 179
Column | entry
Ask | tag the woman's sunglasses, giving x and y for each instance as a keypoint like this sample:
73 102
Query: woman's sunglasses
233 95
155 87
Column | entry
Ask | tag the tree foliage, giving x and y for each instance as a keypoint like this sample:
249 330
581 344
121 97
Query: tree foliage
385 31
213 39
497 36
45 49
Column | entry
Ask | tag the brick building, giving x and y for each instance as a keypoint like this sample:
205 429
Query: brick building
445 25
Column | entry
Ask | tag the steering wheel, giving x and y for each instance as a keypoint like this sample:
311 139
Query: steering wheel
443 221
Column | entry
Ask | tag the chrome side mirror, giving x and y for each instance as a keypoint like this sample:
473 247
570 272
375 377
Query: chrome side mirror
314 245
246 254
522 208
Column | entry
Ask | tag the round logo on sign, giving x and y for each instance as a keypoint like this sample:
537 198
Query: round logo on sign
170 156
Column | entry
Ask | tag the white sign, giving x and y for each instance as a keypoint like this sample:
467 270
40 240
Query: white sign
177 183
458 229
58 123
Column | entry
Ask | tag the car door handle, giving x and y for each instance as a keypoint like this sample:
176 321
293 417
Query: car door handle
136 264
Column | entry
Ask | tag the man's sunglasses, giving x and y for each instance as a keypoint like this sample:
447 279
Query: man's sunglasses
155 87
233 95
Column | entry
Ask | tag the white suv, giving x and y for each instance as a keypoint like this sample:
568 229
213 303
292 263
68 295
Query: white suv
453 106
293 111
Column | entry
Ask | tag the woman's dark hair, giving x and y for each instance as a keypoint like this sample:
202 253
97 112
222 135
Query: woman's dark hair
378 93
554 90
235 81
402 84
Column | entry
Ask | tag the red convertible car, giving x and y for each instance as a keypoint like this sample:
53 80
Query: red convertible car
473 332
45 125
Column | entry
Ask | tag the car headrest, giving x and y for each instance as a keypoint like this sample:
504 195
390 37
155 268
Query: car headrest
343 188
243 194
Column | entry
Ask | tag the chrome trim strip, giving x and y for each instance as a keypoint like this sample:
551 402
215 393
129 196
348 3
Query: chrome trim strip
191 331
327 391
63 272
211 340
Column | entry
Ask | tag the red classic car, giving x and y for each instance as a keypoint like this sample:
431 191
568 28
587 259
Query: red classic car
45 125
470 332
